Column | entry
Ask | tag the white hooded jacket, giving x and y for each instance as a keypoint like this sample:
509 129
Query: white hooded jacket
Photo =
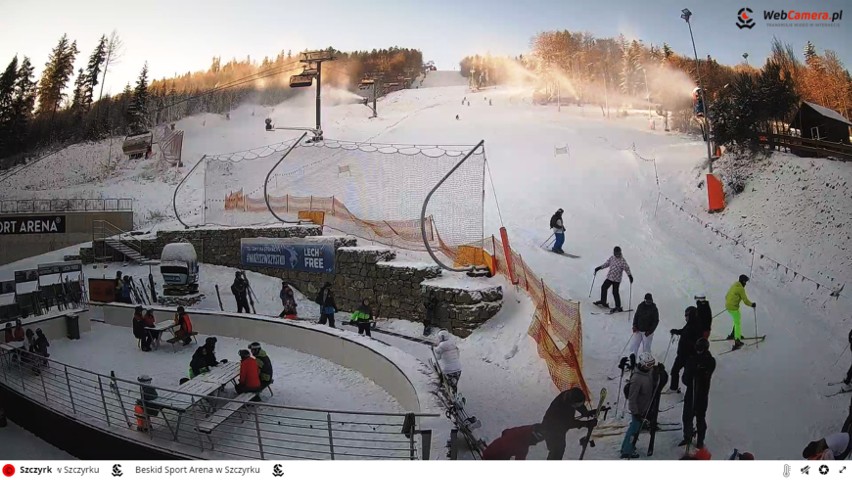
447 353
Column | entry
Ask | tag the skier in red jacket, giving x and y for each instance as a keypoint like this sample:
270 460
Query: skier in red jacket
249 373
514 442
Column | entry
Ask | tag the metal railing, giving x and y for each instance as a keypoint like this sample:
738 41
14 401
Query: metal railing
102 231
67 205
210 426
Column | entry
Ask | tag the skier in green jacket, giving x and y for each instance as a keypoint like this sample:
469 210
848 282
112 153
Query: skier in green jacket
737 294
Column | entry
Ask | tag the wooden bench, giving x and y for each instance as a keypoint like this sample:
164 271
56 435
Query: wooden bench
225 412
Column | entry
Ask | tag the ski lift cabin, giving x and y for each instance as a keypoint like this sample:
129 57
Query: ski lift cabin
301 80
179 267
366 84
138 145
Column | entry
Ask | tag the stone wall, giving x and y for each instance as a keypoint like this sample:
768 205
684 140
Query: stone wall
395 290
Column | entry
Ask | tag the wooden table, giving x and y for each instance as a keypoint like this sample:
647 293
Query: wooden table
195 391
160 327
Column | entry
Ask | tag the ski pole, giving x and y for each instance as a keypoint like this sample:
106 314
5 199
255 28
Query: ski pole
629 301
841 355
593 284
667 349
756 343
548 240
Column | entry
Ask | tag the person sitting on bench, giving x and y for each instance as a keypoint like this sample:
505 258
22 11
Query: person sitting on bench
185 326
249 374
149 321
203 358
362 317
139 329
263 363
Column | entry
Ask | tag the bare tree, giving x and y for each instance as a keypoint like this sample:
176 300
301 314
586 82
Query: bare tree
114 52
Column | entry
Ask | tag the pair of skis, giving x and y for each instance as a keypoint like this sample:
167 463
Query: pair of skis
454 410
251 295
843 389
753 341
588 438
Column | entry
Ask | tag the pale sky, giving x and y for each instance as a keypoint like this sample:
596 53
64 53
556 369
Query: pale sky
183 35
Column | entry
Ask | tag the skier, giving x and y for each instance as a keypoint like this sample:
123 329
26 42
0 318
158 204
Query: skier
640 395
514 442
263 363
362 317
617 265
558 231
184 324
735 295
696 376
704 316
325 299
836 446
689 334
449 359
645 322
559 418
240 290
288 301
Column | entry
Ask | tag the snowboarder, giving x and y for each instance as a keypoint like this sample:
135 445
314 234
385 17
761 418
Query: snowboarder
689 334
558 231
645 322
288 301
704 316
240 290
325 299
203 358
696 376
431 306
263 363
617 265
836 446
514 442
448 356
735 295
559 418
640 396
362 317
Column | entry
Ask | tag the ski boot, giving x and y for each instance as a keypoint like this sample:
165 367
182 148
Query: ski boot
737 345
629 456
601 304
615 310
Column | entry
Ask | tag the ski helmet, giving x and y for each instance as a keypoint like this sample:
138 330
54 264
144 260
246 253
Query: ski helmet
443 336
701 345
744 279
646 359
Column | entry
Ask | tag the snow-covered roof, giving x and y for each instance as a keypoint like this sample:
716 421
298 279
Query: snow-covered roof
184 252
828 113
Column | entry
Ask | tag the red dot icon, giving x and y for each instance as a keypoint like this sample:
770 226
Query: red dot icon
8 470
745 16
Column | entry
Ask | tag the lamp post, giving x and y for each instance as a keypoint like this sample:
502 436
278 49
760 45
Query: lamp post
686 14
745 57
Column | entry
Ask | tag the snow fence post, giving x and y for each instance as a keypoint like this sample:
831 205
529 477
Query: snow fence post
544 297
524 266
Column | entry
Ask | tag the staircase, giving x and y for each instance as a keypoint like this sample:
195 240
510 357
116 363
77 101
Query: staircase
115 239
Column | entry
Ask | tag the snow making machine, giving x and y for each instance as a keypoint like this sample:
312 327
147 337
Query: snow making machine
138 145
179 267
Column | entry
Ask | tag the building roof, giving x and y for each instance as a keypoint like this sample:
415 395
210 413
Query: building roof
828 113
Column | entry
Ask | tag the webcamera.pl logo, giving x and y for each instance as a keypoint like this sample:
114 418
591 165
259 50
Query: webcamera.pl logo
744 19
8 470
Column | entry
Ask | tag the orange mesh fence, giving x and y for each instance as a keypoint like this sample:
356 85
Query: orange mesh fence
556 326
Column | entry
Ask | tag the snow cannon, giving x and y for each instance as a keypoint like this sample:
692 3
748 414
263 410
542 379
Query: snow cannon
138 145
179 267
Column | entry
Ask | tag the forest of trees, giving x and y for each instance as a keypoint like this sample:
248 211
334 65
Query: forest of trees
629 73
36 114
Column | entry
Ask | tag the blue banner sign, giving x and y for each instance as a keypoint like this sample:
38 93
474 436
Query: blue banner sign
288 254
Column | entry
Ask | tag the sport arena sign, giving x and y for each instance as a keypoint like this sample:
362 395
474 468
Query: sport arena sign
32 225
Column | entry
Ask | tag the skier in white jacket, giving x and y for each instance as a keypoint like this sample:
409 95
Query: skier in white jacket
448 358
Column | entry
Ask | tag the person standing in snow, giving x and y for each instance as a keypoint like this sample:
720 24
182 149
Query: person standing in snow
431 306
836 446
735 295
640 396
288 301
240 290
558 231
645 322
514 443
449 358
617 265
696 376
362 317
704 315
560 417
325 299
689 334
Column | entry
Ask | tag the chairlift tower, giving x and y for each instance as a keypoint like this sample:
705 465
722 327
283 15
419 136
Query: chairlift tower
313 68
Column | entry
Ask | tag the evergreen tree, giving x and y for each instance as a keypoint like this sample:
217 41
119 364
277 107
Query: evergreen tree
667 51
7 91
93 70
23 104
78 102
138 109
57 72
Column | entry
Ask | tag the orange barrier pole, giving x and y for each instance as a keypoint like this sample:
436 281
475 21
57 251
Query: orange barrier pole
508 252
